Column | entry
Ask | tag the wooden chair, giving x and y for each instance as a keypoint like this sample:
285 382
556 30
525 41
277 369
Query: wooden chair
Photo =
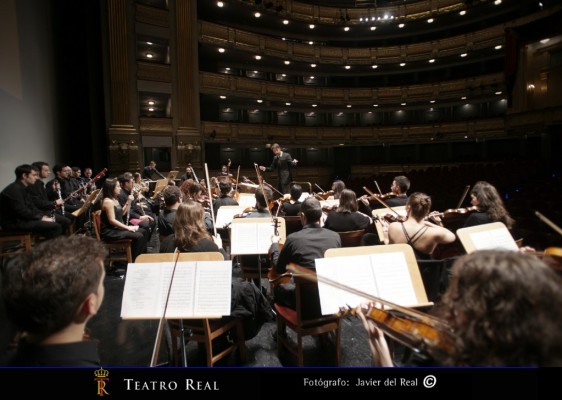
14 243
351 238
292 224
118 250
203 330
306 320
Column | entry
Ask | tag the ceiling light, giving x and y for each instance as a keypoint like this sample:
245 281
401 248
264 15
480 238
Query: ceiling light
497 2
258 57
256 72
401 26
498 93
313 65
220 4
373 28
430 20
285 22
402 64
431 61
402 104
432 101
151 109
375 105
463 98
349 106
311 43
287 104
222 97
149 43
464 54
311 77
257 14
287 62
149 55
347 67
227 68
259 100
311 26
221 50
283 75
150 103
374 66
346 28
463 12
545 40
499 46
314 105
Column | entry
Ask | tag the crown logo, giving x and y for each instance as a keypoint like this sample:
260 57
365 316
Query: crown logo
101 373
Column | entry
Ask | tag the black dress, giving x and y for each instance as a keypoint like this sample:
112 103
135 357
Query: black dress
109 232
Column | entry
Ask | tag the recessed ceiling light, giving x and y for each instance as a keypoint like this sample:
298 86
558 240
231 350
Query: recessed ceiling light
432 101
375 105
545 40
259 100
150 103
463 12
401 26
349 106
258 57
256 72
431 61
151 109
283 75
497 2
402 64
287 104
287 62
257 14
498 92
463 98
464 54
221 50
499 46
285 22
220 4
374 66
314 105
149 55
311 26
373 28
430 21
313 65
347 67
227 68
149 43
311 43
402 104
311 77
346 28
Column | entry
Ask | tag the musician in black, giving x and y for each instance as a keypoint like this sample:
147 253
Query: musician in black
293 206
17 210
224 198
41 200
282 163
150 171
400 185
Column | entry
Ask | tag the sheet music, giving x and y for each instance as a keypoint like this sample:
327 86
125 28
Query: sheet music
200 289
304 196
493 239
384 275
226 214
251 238
246 200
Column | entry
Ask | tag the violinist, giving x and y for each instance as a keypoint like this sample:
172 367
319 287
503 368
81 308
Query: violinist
337 187
293 206
196 193
422 235
398 197
490 206
346 216
172 200
224 198
262 206
190 234
302 248
505 309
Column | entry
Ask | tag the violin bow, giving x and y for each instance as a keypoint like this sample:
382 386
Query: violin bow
210 199
237 178
156 349
380 201
549 222
466 189
378 187
321 190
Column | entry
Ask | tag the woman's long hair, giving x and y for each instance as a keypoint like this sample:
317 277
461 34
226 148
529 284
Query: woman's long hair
109 188
505 309
348 202
189 225
491 203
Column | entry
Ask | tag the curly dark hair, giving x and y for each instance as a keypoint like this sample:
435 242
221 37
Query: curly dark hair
490 202
505 309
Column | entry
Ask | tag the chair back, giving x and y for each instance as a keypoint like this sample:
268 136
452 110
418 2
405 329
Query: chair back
351 238
97 223
292 224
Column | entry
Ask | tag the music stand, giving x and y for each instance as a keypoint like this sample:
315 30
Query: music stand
172 175
92 198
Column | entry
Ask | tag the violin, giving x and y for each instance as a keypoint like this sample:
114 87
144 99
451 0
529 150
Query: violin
416 334
245 212
390 218
452 212
324 195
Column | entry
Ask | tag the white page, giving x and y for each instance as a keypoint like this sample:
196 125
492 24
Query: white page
246 200
147 285
213 289
393 279
265 232
251 238
226 214
304 196
352 271
493 239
